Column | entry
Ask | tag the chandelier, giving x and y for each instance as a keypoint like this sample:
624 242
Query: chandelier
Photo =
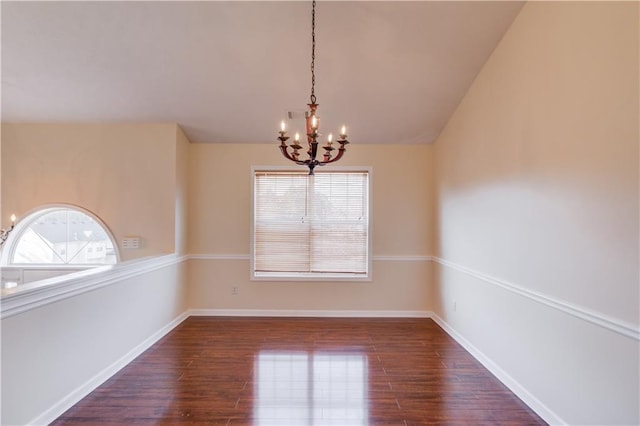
312 123
4 233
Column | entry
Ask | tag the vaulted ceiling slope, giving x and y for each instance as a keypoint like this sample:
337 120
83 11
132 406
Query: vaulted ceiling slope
228 72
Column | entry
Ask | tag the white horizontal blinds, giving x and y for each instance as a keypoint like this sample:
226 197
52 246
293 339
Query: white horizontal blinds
281 228
339 225
311 224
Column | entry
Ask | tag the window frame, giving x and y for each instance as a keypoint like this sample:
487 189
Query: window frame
8 252
311 276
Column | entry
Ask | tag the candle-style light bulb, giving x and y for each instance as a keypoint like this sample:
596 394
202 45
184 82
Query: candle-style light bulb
297 137
282 126
314 122
343 131
13 219
329 138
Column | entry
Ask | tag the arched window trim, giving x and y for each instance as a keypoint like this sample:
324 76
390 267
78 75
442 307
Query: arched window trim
8 251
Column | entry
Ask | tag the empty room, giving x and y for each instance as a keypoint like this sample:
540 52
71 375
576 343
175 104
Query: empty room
320 213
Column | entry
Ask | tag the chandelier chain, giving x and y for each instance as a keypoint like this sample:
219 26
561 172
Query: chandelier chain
311 121
313 52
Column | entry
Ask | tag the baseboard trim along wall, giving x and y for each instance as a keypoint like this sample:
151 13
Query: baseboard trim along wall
306 313
74 397
55 411
612 324
520 391
599 319
387 258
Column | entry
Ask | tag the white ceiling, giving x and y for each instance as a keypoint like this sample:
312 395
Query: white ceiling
228 72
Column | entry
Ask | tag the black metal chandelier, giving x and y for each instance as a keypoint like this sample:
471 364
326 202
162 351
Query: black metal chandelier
312 123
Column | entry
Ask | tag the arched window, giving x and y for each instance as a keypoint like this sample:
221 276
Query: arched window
62 236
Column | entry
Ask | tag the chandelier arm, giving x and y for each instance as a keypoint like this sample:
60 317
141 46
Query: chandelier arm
341 152
285 153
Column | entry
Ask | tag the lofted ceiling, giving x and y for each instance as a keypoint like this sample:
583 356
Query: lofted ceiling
228 72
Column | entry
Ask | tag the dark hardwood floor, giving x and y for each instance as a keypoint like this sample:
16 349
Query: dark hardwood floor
303 371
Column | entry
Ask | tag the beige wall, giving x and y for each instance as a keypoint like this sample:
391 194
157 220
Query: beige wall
181 191
125 174
220 222
537 182
2 218
134 177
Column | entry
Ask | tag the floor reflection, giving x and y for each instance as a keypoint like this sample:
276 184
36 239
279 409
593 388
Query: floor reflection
320 388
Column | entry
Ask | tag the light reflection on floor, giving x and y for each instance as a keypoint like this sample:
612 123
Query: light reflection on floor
319 388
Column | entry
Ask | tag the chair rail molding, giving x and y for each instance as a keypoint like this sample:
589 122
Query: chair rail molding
613 324
39 293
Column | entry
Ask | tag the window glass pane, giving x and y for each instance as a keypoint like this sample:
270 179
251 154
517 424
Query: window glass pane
35 248
339 248
311 224
64 236
281 227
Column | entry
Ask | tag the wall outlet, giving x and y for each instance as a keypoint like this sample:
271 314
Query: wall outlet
234 290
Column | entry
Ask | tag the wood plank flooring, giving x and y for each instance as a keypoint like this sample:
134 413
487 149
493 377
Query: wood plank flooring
303 371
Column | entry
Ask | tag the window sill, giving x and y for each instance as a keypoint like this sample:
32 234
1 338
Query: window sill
310 277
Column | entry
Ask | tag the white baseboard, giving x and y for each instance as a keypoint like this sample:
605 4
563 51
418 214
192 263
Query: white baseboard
75 396
307 313
520 391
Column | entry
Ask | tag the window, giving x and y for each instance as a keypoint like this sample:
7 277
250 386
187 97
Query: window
311 226
63 236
